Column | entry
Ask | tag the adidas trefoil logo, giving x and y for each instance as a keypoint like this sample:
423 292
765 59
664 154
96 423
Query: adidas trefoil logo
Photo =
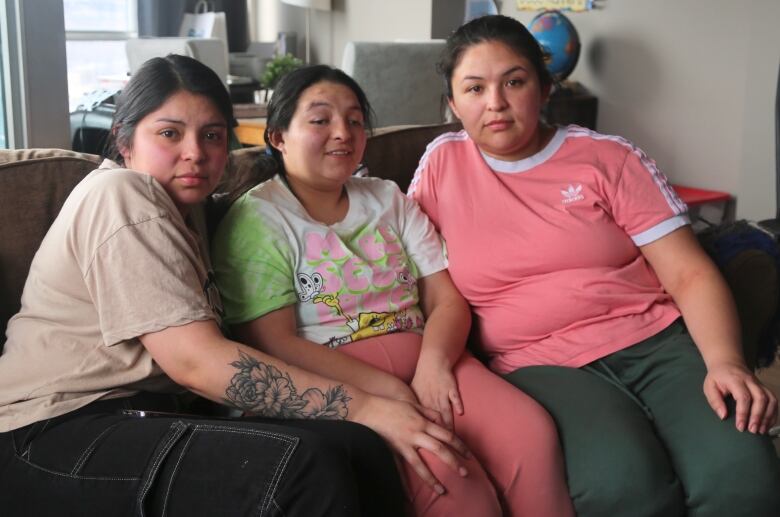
572 194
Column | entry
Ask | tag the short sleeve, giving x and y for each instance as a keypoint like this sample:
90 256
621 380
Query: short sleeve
146 277
645 205
252 263
422 243
423 188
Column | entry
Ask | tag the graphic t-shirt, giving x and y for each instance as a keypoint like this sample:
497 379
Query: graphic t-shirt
348 281
546 249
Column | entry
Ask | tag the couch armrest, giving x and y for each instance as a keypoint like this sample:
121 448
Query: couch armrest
33 185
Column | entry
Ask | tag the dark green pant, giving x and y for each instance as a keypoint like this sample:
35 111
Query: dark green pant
640 439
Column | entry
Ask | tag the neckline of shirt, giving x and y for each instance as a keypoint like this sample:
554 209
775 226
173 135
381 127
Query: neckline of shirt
351 210
526 164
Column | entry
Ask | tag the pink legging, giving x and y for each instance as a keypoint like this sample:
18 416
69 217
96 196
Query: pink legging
517 468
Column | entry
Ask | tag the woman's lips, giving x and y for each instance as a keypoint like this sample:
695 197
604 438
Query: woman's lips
192 180
498 125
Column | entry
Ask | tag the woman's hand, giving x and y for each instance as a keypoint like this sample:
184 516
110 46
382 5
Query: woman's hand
704 299
756 405
436 388
408 427
404 393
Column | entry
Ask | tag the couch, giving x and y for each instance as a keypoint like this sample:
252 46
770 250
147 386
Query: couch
35 182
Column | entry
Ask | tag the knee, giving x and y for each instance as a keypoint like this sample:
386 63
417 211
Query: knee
627 488
535 434
737 483
470 495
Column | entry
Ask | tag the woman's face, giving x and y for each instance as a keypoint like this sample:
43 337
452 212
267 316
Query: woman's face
183 145
497 96
326 138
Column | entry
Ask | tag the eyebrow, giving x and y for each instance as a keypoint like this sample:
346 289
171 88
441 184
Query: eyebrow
319 104
181 122
508 72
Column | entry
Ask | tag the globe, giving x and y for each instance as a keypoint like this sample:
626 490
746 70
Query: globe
558 38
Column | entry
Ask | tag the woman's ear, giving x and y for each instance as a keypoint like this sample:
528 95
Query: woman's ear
277 140
124 151
452 107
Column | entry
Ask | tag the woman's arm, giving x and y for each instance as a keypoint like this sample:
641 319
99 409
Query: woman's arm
701 293
199 358
447 323
275 334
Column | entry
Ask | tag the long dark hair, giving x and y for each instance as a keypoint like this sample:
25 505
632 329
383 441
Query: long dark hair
502 29
281 109
151 85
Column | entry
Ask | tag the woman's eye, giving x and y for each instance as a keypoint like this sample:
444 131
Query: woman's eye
319 121
168 133
356 122
213 135
474 89
515 82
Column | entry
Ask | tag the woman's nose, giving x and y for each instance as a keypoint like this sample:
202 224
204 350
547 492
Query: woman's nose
496 99
193 149
341 129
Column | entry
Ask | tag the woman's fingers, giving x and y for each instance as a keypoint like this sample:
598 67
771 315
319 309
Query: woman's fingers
411 456
430 414
449 438
446 411
770 417
457 403
758 406
441 449
715 399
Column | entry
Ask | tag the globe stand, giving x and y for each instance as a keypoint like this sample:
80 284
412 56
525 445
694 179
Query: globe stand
571 103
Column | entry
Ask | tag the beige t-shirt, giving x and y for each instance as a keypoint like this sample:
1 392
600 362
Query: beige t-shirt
117 263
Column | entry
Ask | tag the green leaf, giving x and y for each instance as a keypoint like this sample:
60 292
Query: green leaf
277 68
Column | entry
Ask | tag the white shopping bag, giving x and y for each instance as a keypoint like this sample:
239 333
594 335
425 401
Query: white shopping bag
204 23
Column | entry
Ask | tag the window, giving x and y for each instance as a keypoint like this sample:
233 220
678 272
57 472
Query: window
3 128
95 35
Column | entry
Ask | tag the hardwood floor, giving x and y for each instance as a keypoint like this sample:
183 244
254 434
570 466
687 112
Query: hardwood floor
771 377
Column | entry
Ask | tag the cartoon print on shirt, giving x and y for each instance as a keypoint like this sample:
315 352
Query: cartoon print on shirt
406 279
310 286
367 324
332 301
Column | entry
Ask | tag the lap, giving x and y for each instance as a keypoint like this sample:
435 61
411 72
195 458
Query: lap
641 412
103 461
722 469
597 424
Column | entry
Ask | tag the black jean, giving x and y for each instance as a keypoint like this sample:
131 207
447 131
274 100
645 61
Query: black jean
98 461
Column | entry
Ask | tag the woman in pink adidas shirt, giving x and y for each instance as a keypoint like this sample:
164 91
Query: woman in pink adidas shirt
591 293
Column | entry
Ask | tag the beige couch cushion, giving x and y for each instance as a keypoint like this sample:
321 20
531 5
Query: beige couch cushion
33 185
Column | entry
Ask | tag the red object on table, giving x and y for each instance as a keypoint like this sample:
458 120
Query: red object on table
697 196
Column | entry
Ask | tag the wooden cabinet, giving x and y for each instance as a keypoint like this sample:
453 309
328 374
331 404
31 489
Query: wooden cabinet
572 103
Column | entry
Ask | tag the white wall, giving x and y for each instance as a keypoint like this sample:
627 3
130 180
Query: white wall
349 20
692 82
376 20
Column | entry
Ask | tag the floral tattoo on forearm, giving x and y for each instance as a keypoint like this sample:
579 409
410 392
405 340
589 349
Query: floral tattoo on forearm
263 390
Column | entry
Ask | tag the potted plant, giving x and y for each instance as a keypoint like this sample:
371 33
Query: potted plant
276 69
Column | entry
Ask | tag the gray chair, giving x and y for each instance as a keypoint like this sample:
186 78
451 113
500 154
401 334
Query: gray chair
212 52
400 79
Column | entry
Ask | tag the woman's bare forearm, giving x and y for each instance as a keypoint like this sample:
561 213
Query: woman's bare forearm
197 357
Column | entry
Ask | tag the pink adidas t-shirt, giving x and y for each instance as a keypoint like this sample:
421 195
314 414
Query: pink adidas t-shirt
545 249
